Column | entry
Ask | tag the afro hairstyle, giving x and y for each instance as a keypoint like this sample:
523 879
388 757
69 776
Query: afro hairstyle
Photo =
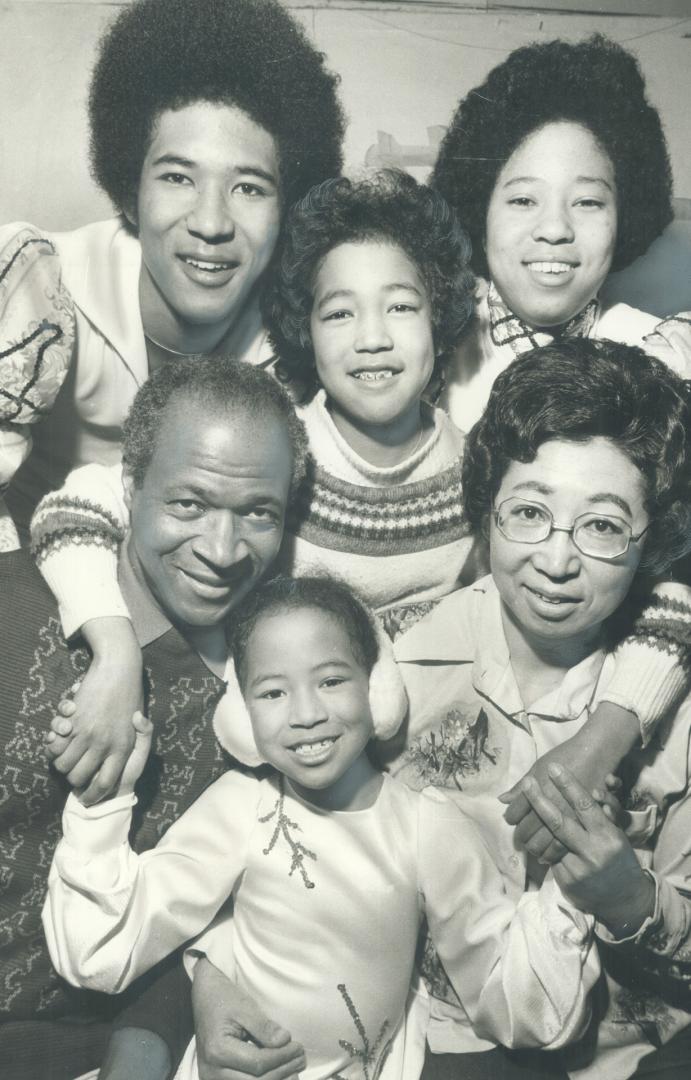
165 54
595 83
389 206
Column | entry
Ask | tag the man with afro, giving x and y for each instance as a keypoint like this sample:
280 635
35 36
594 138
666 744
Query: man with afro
207 119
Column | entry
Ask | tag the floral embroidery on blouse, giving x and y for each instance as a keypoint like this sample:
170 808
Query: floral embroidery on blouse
369 1053
38 328
645 1011
397 620
457 749
283 828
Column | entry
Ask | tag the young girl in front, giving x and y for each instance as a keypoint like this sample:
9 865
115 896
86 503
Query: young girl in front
330 865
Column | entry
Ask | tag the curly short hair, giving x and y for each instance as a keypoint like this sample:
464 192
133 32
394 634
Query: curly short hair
323 593
579 389
165 54
389 206
220 384
594 83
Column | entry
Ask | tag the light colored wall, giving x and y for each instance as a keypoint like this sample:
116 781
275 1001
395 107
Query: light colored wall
403 69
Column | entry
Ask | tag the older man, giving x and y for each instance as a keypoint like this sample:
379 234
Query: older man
211 450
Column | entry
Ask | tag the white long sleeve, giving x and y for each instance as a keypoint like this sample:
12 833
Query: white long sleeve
75 535
523 972
111 914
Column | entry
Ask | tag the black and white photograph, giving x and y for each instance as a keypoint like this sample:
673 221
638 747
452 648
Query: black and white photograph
345 539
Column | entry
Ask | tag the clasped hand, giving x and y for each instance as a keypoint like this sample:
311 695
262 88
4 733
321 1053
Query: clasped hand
599 874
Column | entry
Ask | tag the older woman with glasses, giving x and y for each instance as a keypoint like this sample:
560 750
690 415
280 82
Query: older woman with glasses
580 474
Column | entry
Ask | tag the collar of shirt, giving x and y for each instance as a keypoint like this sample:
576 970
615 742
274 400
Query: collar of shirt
466 628
508 329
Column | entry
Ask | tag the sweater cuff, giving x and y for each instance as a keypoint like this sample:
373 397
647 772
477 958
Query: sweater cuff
84 581
648 681
108 825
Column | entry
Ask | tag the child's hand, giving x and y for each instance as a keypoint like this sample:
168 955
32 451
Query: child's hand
134 766
91 736
600 873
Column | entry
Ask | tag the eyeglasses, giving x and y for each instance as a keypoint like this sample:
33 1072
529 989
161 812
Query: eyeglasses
601 536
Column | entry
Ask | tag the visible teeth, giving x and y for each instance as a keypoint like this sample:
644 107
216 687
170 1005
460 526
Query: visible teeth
312 749
548 599
373 376
550 267
214 267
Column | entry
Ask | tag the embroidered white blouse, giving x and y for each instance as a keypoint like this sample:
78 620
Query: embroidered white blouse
471 734
326 913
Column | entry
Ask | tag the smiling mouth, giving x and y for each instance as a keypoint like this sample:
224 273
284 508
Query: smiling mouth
209 586
555 601
311 750
208 266
374 375
551 267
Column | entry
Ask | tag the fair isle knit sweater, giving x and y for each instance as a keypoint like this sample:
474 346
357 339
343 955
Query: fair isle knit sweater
394 533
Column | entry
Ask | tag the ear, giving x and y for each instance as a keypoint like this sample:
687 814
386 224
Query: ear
129 212
305 338
484 527
128 487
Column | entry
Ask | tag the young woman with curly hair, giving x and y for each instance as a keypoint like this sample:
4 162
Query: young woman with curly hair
558 168
208 118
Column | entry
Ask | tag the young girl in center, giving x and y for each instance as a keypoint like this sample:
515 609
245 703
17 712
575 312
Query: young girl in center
371 294
330 865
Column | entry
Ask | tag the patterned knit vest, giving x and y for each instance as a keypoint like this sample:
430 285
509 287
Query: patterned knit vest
37 668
